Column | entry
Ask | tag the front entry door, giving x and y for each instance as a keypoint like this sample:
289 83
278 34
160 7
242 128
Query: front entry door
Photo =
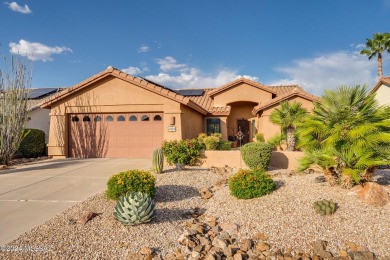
243 125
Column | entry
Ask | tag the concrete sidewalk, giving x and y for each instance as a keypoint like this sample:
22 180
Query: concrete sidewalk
33 194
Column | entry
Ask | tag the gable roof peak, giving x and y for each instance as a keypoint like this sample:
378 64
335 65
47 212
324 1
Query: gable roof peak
242 80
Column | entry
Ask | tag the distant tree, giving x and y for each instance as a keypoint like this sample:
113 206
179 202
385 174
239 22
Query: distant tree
15 82
379 44
287 116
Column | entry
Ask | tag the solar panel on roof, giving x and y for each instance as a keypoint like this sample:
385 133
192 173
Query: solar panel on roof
40 92
190 92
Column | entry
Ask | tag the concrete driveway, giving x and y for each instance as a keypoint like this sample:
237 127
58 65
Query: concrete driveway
33 194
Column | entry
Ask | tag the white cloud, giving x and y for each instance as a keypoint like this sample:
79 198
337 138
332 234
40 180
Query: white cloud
169 63
193 78
35 50
184 76
329 71
135 70
358 46
17 8
143 48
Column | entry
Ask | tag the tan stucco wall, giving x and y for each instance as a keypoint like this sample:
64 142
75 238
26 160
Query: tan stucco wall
109 95
40 119
279 159
241 92
192 123
383 95
285 160
266 127
221 158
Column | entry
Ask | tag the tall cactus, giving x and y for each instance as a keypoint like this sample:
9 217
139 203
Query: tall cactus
158 160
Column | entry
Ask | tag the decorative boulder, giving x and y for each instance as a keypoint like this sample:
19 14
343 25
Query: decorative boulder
373 194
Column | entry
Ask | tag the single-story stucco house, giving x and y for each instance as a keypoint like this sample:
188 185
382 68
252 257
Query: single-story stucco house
382 89
113 114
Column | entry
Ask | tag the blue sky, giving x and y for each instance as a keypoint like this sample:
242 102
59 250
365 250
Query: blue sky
197 43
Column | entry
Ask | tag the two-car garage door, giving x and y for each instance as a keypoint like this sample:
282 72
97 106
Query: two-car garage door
127 135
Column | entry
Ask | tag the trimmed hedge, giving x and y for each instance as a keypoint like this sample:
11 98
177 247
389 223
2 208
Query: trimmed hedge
33 144
248 184
224 146
132 180
256 155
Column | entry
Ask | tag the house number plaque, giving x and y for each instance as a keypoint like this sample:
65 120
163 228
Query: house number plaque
171 128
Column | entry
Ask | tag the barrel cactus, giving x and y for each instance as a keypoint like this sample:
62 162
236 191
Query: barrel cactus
325 207
158 160
134 208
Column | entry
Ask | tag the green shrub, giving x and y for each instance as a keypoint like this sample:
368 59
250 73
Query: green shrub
33 144
256 155
275 141
132 180
201 138
211 142
214 142
224 146
183 151
248 184
260 137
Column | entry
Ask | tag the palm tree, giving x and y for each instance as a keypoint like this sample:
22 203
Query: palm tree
287 116
376 46
348 135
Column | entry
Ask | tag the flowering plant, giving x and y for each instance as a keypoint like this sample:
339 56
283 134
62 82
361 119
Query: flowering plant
183 151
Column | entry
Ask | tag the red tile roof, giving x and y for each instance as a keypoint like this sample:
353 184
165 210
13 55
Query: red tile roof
242 80
281 98
110 71
203 103
282 92
283 89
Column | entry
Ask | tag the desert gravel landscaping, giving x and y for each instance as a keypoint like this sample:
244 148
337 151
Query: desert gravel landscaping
286 216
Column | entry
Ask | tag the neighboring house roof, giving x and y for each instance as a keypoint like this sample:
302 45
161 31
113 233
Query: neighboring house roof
140 82
242 80
286 96
37 95
382 81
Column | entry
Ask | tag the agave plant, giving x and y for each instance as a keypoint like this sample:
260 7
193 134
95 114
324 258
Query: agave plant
134 208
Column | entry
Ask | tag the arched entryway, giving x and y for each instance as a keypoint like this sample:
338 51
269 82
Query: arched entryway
240 118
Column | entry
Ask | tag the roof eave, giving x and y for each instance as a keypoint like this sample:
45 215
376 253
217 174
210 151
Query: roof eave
131 79
312 98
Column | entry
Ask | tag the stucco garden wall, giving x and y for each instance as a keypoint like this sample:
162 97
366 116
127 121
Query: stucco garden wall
279 159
